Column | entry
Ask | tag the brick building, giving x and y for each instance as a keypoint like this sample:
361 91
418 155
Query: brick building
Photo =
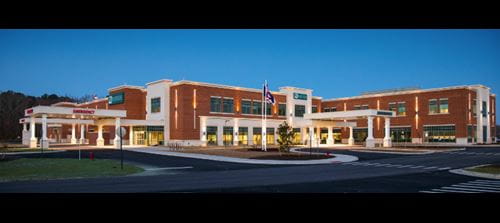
196 113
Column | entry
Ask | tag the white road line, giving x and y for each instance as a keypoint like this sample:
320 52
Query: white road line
171 168
431 167
474 186
483 184
433 192
404 166
444 168
468 189
453 191
489 181
415 167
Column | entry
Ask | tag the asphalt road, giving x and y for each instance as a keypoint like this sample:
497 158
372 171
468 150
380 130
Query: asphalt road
374 172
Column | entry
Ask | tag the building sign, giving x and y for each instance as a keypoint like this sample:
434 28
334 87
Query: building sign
384 113
83 111
117 98
29 111
299 96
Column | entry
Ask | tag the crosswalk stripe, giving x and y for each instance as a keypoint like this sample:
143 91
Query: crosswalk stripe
431 167
469 189
453 191
415 167
489 181
483 184
444 168
475 186
433 192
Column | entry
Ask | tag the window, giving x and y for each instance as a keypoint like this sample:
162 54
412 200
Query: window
257 136
300 110
364 107
282 109
400 134
257 108
357 107
270 136
433 106
246 107
314 109
227 135
333 109
215 104
443 105
155 105
243 135
117 98
269 108
360 134
484 110
326 110
401 109
474 108
212 135
228 105
439 133
297 137
392 107
471 134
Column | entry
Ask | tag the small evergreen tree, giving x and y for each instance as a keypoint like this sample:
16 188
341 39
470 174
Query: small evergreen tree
285 136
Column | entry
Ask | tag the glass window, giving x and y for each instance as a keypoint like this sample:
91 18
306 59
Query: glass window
364 107
215 104
269 108
257 108
401 109
443 105
433 106
326 110
392 107
314 109
270 136
257 136
117 98
212 135
228 105
400 134
227 135
357 107
474 108
243 135
155 105
438 134
300 110
282 109
484 109
360 134
297 137
333 109
246 107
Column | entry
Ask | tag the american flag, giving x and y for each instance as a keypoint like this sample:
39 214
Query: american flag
267 94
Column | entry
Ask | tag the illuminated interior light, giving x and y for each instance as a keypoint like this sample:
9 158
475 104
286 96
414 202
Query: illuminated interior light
194 99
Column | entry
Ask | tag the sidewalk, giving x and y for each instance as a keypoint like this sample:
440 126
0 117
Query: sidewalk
339 158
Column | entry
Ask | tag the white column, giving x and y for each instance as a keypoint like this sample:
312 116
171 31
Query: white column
45 141
220 132
311 136
82 134
370 141
73 134
33 140
26 135
203 131
329 140
131 135
351 136
100 139
387 137
116 141
235 132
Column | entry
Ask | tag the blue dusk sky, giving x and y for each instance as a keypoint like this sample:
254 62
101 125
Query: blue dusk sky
334 63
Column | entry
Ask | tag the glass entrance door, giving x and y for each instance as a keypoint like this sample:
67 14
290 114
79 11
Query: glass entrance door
139 138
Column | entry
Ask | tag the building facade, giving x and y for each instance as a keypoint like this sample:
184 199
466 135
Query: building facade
193 113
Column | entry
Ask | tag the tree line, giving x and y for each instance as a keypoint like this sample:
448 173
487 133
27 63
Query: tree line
13 104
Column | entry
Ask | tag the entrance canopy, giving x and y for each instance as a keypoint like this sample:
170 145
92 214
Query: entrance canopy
348 115
72 113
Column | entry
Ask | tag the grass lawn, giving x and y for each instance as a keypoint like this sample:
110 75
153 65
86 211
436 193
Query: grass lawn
57 168
491 169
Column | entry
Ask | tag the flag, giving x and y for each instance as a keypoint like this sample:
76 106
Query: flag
267 95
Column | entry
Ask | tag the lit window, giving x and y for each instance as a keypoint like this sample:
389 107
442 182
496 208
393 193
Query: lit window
443 105
433 106
155 105
402 109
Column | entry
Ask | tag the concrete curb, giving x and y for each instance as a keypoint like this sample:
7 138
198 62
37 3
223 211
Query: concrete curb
387 152
21 153
339 158
475 174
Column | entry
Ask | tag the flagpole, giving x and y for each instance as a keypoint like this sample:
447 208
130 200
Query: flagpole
263 115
